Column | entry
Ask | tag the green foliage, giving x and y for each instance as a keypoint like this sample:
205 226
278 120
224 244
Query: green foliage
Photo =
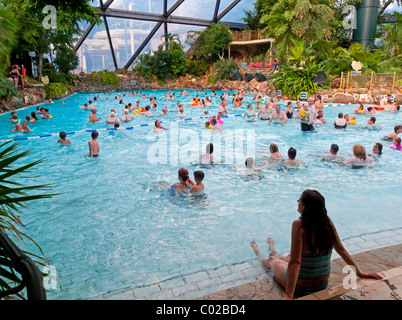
34 37
13 196
210 43
292 81
55 89
54 75
165 63
293 19
7 89
8 39
66 59
197 68
109 78
223 68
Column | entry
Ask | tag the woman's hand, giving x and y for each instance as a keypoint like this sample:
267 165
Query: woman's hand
370 275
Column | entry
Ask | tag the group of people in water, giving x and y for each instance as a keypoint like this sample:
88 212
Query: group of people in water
33 117
307 268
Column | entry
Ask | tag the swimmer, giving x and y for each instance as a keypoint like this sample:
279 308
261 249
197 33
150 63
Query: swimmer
63 140
198 188
207 157
353 120
24 126
377 150
292 162
14 117
278 116
92 116
45 113
34 118
215 125
16 128
371 123
250 113
390 136
181 113
396 145
164 111
147 112
208 125
321 113
127 116
359 156
250 166
219 118
223 109
184 183
333 153
385 99
274 151
93 144
265 112
111 118
158 126
319 120
341 122
319 105
289 110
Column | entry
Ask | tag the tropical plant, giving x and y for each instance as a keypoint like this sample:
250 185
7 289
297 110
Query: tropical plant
53 90
223 68
293 81
106 77
197 68
7 89
15 195
34 37
210 43
8 30
293 19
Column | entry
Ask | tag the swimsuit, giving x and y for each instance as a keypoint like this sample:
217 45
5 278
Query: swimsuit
313 267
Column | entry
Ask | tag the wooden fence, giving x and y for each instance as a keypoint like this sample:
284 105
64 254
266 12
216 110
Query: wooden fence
352 80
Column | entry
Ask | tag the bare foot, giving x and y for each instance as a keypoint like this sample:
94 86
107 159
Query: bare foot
271 249
255 248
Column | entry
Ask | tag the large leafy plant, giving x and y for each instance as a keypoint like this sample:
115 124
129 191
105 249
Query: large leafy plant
13 197
223 68
293 81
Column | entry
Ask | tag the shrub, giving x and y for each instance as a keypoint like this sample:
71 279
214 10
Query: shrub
109 78
197 68
7 89
292 81
54 89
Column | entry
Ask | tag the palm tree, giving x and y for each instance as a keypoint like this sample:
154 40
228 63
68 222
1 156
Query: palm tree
223 67
299 19
13 197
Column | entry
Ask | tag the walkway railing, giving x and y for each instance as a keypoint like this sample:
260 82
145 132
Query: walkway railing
248 35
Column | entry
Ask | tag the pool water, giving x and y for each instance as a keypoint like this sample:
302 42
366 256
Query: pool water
116 225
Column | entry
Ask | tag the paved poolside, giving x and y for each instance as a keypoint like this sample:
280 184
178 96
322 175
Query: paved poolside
374 252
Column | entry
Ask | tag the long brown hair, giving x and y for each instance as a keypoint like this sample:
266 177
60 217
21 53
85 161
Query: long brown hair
316 223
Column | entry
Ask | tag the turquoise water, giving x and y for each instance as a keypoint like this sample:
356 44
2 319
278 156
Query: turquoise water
116 225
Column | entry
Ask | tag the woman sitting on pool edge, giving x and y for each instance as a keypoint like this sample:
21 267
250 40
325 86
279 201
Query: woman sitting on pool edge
308 266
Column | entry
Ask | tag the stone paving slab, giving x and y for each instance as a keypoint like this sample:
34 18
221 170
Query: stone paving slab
372 252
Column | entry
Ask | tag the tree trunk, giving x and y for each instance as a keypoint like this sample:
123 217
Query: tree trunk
40 56
40 65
